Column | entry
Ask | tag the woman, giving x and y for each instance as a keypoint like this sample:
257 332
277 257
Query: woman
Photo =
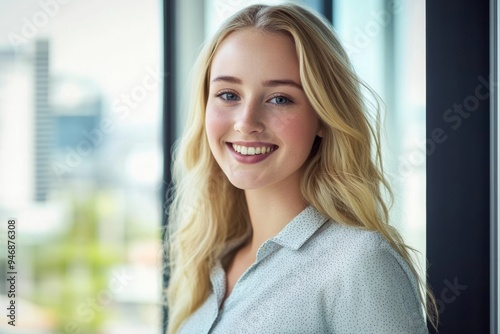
278 219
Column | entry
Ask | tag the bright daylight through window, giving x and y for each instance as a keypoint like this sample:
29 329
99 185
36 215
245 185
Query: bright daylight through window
80 171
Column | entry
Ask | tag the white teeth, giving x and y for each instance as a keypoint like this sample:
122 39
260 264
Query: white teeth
244 150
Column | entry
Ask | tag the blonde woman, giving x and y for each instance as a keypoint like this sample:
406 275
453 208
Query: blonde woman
278 219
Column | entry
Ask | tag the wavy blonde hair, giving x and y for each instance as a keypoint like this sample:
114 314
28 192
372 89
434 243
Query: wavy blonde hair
342 178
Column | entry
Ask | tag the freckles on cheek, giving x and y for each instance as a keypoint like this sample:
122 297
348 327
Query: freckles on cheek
283 123
215 123
297 130
289 125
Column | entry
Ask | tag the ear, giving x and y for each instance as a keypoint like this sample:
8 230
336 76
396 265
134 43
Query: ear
321 131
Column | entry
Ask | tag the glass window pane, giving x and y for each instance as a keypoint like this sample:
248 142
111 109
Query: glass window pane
81 164
386 42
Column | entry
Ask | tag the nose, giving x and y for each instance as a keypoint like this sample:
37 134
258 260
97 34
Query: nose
249 119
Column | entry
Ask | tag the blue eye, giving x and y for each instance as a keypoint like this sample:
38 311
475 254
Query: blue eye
228 96
280 100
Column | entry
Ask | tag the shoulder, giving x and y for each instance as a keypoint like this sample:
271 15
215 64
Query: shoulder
360 253
350 242
370 285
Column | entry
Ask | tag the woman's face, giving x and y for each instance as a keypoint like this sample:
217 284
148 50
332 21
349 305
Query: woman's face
259 122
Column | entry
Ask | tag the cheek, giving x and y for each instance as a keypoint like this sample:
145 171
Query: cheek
216 124
300 129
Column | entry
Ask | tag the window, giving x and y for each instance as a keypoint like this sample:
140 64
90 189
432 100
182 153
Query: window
386 42
80 134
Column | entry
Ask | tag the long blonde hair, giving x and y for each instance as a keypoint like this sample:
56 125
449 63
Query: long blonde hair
342 178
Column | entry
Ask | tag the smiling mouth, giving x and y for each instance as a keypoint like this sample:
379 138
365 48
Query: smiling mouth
250 150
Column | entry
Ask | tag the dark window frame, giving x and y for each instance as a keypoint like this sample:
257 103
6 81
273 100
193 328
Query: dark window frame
458 168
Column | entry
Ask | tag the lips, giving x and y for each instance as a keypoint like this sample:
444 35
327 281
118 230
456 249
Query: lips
246 152
252 150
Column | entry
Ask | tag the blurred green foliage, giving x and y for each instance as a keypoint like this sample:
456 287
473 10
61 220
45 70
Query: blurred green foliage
73 270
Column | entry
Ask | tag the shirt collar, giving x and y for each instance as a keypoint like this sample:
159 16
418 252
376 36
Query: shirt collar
292 236
300 228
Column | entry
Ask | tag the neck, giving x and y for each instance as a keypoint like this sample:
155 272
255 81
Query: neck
271 209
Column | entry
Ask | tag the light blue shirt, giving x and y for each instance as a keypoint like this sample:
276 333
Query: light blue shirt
315 276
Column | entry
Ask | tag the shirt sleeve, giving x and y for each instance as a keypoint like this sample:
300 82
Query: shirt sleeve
377 295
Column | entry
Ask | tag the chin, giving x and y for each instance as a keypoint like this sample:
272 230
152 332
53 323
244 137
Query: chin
244 184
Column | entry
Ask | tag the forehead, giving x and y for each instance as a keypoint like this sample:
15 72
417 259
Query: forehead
251 52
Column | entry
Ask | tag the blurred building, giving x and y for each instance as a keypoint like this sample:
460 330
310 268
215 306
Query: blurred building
77 110
43 121
46 126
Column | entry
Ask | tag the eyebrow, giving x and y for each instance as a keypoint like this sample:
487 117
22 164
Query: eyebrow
227 78
274 83
267 83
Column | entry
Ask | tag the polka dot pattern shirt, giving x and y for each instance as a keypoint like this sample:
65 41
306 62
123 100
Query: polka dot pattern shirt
315 276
